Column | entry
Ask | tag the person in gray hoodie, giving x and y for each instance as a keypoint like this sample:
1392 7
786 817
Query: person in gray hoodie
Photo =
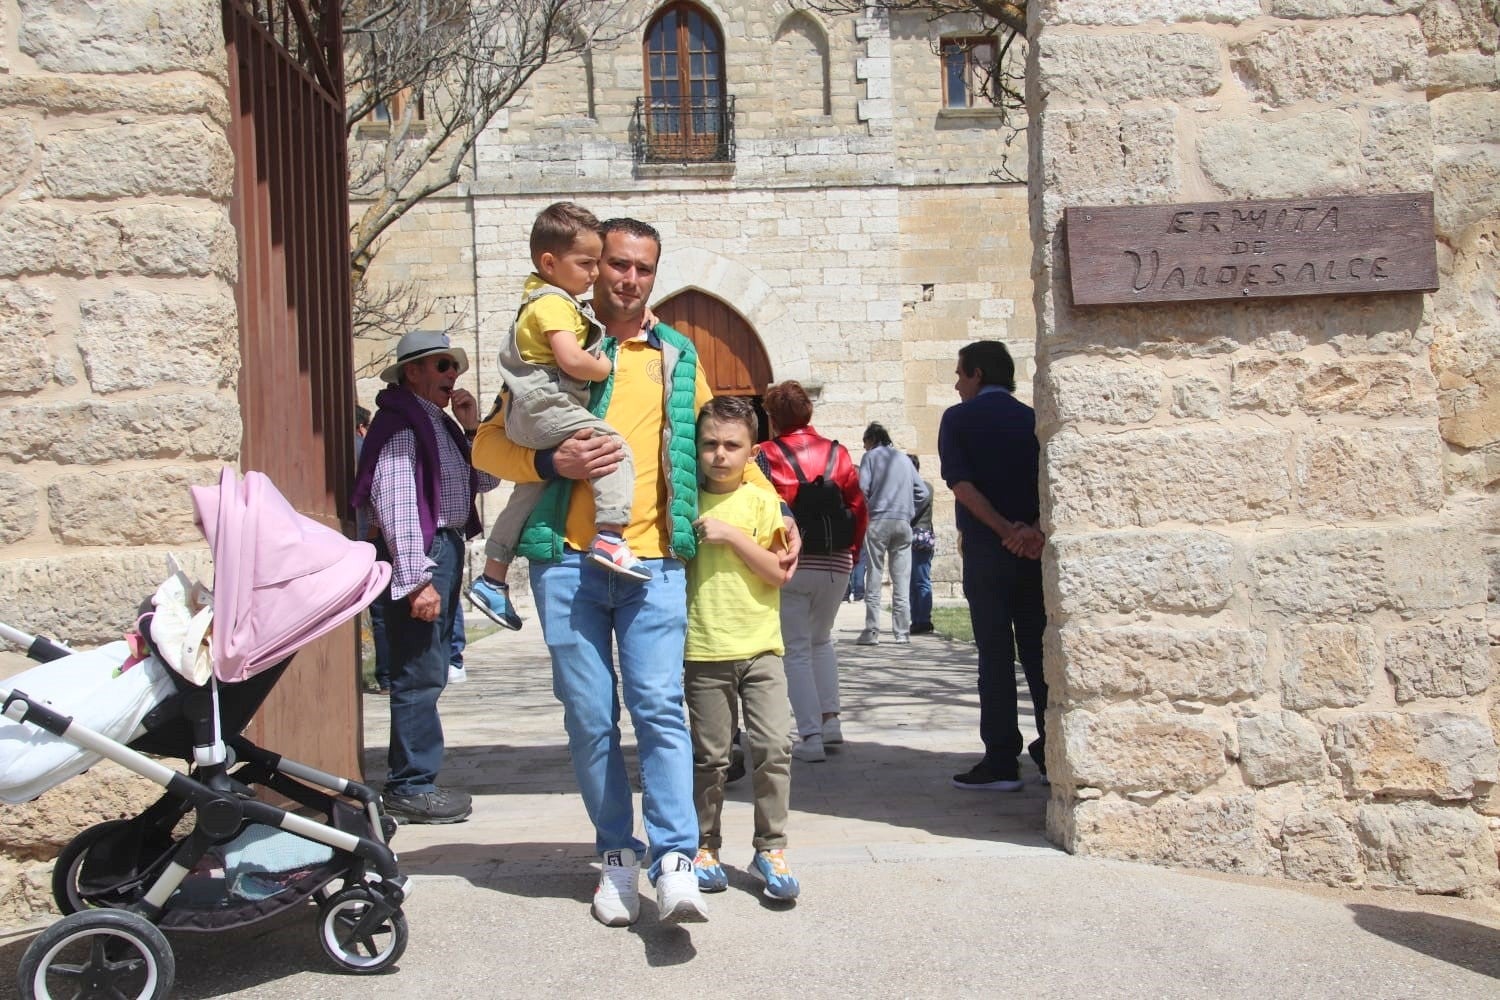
893 491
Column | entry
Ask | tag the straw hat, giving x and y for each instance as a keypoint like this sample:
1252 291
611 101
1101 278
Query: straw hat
419 344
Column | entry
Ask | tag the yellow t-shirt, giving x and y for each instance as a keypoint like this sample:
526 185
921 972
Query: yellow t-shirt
635 412
539 318
732 613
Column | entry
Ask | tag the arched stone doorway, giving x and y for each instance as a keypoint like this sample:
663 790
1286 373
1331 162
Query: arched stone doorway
734 360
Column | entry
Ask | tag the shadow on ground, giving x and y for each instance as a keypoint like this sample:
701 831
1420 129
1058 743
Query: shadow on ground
1463 943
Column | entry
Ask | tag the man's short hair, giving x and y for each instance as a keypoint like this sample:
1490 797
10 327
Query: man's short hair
876 436
361 417
557 228
787 405
991 360
727 409
916 462
631 227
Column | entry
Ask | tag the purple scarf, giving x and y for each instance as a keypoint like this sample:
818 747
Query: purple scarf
399 409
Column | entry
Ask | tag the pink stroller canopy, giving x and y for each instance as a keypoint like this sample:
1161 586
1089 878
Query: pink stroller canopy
281 579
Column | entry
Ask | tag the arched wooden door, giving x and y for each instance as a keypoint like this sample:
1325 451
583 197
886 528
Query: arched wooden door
733 359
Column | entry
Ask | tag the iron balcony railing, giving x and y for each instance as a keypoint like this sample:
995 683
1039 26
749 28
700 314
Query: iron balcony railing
677 130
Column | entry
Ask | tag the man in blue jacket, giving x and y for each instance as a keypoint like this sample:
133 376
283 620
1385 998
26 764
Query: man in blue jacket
988 448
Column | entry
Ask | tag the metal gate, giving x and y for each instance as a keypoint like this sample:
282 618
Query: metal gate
296 390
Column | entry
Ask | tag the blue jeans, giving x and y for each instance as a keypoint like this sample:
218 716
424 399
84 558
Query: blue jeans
419 671
581 604
921 586
1006 610
460 638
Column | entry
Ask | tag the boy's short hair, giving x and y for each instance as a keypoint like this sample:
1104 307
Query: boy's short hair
727 409
557 228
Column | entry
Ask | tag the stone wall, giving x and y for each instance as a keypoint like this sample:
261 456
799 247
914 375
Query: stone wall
861 229
117 269
1270 645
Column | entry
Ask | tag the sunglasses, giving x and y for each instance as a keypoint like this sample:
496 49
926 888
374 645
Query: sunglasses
445 365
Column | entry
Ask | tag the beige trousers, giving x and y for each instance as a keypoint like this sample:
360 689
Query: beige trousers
712 689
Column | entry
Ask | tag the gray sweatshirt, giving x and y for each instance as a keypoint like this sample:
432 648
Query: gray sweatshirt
890 484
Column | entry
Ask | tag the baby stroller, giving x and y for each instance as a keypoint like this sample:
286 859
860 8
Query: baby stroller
281 580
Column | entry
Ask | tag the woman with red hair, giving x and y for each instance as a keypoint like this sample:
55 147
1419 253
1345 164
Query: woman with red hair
811 599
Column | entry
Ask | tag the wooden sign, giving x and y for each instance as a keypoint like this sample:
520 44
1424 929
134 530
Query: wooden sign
1252 249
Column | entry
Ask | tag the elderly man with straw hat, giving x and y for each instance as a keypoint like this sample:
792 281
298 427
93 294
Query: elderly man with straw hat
416 487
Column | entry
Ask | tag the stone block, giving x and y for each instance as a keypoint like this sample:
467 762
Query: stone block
135 507
1460 71
1319 846
1319 152
1466 118
1109 157
159 241
138 340
1135 571
1325 10
1277 747
1459 25
1098 390
88 598
1286 65
1415 755
1213 832
18 508
1196 398
198 426
1439 661
1327 666
1270 384
1467 189
1384 388
123 36
1141 478
1328 572
1428 848
25 324
1214 664
39 829
60 95
1143 749
1359 474
182 156
17 150
1398 147
1055 12
1129 66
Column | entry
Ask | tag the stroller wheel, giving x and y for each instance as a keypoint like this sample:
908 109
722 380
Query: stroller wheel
98 953
354 937
69 866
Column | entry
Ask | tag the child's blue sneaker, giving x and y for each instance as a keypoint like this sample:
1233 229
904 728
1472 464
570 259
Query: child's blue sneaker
711 875
495 603
780 882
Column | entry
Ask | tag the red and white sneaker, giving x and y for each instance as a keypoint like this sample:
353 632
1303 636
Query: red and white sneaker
615 555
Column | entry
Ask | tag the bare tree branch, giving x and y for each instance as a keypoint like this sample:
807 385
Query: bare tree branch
1012 15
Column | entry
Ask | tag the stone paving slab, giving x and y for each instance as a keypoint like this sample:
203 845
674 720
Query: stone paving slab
911 888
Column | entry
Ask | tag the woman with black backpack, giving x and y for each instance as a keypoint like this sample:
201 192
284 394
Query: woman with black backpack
818 480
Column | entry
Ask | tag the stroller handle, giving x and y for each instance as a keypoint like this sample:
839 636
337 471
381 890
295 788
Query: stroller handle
39 648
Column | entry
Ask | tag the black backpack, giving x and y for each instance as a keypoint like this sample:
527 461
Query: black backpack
824 521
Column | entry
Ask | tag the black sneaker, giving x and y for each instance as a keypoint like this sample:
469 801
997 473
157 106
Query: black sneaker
981 777
1039 755
922 628
736 766
441 805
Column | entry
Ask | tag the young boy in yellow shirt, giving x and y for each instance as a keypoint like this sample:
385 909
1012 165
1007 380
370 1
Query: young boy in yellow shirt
733 650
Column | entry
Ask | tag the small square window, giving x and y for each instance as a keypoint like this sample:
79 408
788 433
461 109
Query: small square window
970 66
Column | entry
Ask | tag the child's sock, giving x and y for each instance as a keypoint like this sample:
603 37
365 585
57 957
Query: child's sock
498 584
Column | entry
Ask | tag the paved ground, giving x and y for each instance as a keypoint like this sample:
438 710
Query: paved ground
911 888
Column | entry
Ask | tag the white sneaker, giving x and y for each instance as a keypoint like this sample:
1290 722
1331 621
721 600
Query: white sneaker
810 749
833 732
457 674
617 900
869 637
677 894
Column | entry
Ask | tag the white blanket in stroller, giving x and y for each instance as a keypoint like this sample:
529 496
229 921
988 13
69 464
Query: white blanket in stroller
90 688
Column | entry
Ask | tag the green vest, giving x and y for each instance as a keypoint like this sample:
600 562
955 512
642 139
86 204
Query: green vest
542 539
